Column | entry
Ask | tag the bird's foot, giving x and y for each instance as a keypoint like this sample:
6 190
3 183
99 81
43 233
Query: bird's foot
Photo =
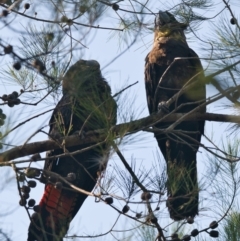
163 107
81 134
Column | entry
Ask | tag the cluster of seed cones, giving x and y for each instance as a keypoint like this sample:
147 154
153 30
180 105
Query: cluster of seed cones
11 99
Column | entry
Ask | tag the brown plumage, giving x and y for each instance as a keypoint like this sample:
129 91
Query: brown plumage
86 104
164 77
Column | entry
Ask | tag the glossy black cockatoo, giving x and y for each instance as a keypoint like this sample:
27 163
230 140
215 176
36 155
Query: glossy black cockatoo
86 105
170 66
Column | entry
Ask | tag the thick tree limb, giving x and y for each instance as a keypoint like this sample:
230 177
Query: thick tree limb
118 130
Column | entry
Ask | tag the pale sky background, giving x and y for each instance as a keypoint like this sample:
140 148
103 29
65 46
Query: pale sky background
96 218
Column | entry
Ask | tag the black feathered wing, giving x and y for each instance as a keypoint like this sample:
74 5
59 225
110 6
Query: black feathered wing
59 206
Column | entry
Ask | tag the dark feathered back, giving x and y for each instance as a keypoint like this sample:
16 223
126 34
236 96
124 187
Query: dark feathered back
86 105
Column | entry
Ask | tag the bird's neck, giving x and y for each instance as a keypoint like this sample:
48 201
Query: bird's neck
162 36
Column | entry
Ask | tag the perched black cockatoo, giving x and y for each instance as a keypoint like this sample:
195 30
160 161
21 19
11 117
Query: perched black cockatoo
86 105
164 77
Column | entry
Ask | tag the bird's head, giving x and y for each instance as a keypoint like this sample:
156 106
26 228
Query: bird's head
166 25
82 73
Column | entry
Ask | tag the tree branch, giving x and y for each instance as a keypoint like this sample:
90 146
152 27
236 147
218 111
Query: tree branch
119 131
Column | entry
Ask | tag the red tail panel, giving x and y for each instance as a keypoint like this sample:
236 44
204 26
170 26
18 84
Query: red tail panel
59 203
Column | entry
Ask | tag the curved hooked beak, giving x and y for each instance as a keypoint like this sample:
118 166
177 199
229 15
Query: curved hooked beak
162 18
165 18
90 63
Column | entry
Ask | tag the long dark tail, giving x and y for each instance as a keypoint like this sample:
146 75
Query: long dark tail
180 154
182 189
55 212
60 203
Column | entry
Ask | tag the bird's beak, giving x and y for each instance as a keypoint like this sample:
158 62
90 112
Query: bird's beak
93 63
161 19
165 18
